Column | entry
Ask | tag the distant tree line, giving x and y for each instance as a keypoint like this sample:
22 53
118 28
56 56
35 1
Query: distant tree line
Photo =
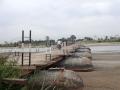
109 39
47 42
70 40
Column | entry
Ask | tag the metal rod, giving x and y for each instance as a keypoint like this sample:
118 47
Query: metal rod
30 36
23 36
30 47
22 58
22 46
29 58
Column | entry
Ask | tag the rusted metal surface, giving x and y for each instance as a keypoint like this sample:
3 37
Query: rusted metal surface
58 78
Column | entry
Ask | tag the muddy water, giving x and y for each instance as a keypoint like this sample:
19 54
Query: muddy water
106 57
106 60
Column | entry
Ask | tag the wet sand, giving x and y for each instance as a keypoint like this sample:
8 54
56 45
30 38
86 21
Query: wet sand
107 72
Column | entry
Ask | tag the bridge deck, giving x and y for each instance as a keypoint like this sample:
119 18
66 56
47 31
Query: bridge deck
38 59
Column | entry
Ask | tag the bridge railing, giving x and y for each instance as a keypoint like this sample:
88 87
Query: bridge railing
39 53
35 50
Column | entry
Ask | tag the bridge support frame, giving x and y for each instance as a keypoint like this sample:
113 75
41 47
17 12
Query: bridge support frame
23 42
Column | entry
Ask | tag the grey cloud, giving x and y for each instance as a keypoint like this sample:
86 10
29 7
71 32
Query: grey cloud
59 18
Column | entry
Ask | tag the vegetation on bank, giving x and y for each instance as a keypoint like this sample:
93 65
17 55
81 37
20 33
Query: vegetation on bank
8 71
94 42
105 40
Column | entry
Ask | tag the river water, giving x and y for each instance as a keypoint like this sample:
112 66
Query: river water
105 49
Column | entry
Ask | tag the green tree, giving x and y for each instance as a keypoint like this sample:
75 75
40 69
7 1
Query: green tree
73 38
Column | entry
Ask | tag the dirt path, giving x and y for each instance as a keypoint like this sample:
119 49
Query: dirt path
106 75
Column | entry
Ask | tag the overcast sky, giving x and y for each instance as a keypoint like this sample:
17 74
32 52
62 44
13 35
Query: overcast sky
58 18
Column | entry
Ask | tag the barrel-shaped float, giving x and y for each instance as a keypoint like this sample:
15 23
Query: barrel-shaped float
85 49
77 64
55 79
83 54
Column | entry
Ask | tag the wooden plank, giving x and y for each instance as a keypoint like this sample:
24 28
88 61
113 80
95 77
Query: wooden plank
15 81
